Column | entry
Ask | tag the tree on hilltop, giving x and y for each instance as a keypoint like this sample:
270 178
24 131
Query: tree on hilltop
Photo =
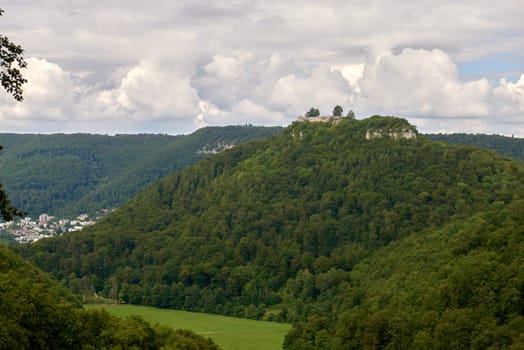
313 112
337 111
351 114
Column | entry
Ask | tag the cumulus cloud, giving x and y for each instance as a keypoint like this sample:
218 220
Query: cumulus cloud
508 107
224 67
148 91
153 91
509 98
244 112
424 86
420 83
321 88
48 93
227 79
247 111
273 90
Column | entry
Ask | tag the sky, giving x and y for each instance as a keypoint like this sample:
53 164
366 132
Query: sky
171 67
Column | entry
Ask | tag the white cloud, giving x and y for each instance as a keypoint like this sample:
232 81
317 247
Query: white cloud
228 68
244 112
148 91
247 111
321 88
246 87
151 90
209 115
509 98
420 83
48 93
225 80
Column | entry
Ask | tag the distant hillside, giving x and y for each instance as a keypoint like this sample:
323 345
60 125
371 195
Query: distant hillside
386 242
69 174
507 146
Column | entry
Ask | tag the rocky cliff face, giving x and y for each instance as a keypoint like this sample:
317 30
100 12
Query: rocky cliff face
394 134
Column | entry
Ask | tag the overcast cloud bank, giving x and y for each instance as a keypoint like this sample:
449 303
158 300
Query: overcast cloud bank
173 68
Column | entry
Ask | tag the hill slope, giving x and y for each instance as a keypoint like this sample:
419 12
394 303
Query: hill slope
69 174
284 222
38 313
458 287
507 146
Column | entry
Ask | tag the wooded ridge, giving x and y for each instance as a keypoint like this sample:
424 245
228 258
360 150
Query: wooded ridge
401 243
103 171
106 171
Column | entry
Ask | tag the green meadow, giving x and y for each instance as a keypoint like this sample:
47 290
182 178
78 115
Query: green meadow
229 333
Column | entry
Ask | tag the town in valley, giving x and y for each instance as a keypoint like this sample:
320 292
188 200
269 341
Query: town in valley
27 229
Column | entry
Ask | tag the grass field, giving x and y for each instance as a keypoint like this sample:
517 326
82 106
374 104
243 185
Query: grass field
229 333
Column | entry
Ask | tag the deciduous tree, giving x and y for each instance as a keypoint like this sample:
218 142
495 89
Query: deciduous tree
337 111
11 61
313 112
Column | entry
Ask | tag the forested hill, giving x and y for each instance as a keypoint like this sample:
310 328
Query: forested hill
323 225
38 313
70 174
508 146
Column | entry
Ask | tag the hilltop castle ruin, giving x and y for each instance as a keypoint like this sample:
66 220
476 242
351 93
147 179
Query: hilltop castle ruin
324 119
394 133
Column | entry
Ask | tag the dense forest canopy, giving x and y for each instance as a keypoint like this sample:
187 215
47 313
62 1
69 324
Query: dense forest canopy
106 171
102 171
512 147
457 287
38 313
318 224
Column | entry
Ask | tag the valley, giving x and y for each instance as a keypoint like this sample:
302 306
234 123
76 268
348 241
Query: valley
228 332
102 171
132 217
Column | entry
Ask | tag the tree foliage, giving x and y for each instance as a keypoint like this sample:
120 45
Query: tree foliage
313 112
458 287
512 147
337 111
11 61
7 211
38 313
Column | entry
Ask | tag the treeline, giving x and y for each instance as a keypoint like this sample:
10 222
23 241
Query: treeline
70 174
38 313
293 222
507 146
106 171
